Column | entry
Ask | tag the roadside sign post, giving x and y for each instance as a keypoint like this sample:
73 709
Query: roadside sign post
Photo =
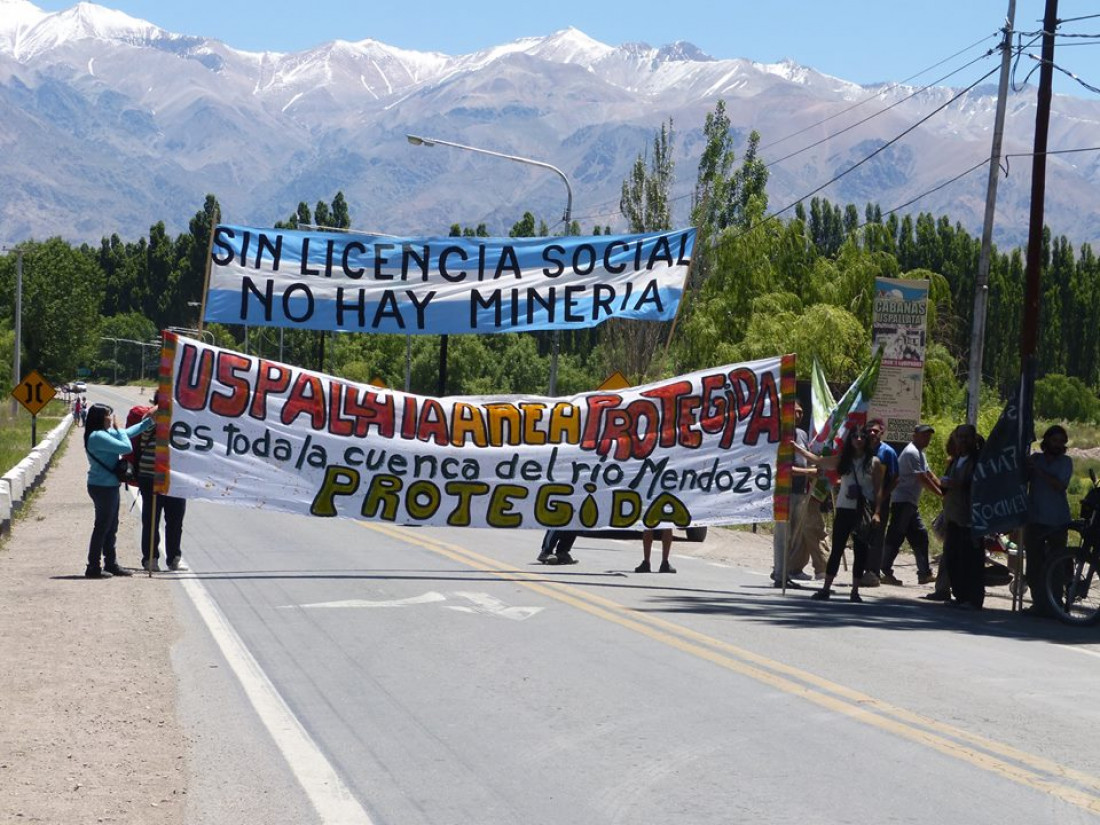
34 392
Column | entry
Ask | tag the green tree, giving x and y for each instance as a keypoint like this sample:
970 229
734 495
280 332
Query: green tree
62 293
1064 398
634 347
645 194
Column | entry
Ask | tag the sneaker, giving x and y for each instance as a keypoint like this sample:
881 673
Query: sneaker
855 597
822 595
937 597
115 570
926 578
177 564
791 585
545 556
643 568
666 568
891 579
870 579
96 573
153 568
565 558
800 576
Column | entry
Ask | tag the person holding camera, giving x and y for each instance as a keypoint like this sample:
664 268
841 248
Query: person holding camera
105 445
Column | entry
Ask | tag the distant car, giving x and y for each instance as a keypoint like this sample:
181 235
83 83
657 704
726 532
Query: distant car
79 386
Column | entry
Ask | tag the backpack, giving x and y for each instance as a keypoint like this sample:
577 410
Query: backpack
133 417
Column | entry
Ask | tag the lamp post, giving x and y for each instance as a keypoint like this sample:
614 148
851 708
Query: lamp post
417 140
142 344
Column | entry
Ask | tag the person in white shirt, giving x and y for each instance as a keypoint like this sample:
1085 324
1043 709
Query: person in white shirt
905 520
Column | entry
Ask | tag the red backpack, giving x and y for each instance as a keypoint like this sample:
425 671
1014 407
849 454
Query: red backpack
133 417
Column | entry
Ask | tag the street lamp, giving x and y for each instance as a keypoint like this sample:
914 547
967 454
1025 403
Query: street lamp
141 344
417 140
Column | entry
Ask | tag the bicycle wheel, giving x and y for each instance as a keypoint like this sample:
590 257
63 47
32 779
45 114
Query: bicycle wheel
1072 587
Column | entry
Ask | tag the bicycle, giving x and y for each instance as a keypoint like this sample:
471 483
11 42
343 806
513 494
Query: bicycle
1072 577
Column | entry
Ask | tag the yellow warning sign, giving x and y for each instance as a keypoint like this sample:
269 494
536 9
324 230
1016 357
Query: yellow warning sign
615 381
378 382
33 392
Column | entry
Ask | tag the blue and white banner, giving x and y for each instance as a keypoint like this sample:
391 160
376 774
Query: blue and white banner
442 285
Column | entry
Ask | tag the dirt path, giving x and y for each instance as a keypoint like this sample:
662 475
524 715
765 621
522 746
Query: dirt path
88 730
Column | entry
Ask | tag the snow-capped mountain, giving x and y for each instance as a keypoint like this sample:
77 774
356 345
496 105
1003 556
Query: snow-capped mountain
110 123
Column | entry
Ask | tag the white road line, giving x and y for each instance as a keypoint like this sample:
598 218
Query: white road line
331 798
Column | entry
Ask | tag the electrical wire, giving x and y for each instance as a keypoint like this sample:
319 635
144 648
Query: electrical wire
1066 72
908 97
880 92
594 214
877 151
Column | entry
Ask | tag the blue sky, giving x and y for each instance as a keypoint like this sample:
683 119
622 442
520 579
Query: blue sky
853 39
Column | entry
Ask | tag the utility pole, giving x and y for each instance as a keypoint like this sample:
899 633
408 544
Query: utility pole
981 285
1029 330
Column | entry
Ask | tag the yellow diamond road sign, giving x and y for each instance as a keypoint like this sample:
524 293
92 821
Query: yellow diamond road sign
33 392
615 381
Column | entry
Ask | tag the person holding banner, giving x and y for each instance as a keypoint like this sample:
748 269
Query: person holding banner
557 546
647 549
105 445
857 505
1049 473
153 505
789 536
963 556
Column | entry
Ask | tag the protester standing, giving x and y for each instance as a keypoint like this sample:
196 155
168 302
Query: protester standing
963 555
105 444
857 505
788 536
153 505
1049 474
647 549
905 520
557 546
888 457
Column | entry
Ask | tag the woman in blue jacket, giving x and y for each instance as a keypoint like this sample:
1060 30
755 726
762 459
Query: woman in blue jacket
105 444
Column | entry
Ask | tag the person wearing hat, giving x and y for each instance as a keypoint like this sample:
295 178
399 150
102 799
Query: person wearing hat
905 521
154 504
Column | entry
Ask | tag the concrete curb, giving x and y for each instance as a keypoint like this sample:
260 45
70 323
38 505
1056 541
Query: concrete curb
25 476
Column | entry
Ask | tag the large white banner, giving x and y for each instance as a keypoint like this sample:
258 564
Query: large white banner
413 286
247 431
899 328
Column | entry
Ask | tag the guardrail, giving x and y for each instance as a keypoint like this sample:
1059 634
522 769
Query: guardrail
25 476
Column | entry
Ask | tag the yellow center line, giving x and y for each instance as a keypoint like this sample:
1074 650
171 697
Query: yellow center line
1044 775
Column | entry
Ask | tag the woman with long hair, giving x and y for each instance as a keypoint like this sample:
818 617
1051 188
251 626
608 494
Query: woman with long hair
105 444
963 555
857 505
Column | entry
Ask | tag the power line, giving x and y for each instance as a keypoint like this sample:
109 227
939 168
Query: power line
946 183
976 166
908 97
883 91
593 214
880 149
1066 72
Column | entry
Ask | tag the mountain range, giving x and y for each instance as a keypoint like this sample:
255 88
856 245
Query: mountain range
110 124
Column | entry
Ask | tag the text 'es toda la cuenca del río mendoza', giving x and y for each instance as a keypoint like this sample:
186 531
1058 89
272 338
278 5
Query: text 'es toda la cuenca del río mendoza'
692 450
445 285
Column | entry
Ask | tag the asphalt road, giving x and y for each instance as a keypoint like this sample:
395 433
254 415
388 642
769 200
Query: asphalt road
363 673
